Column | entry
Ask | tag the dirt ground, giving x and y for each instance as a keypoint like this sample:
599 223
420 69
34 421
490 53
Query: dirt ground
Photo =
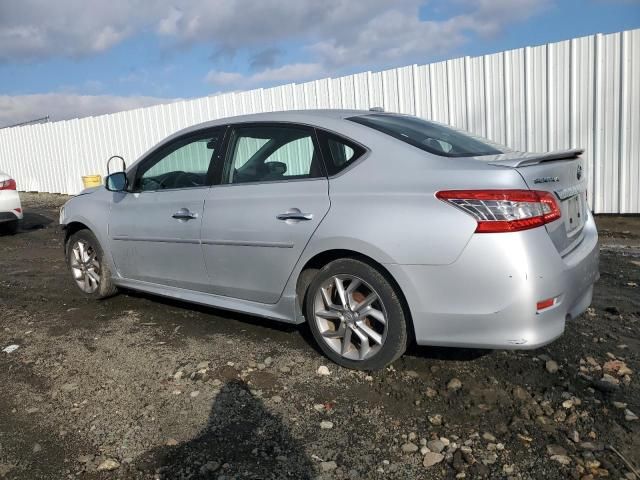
139 387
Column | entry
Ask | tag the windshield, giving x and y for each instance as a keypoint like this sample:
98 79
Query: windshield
432 137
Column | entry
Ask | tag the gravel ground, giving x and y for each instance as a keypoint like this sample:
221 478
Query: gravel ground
139 387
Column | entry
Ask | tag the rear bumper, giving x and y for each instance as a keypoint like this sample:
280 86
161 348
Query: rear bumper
9 217
10 208
487 297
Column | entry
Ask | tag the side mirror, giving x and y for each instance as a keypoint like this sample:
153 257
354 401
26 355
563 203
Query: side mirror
124 165
116 182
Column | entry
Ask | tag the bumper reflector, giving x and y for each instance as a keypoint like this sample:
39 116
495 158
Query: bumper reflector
542 304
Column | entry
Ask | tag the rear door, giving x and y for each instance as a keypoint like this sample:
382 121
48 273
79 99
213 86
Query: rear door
154 230
272 196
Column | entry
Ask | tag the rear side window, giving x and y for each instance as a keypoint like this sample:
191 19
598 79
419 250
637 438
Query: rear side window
247 147
338 152
272 153
431 137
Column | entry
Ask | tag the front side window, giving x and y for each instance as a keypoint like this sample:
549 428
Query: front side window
271 154
432 137
183 164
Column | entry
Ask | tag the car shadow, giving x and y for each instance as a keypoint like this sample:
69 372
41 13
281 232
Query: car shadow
31 221
241 439
454 354
230 317
213 311
34 221
413 351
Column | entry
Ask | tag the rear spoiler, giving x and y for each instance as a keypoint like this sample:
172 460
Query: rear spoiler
534 158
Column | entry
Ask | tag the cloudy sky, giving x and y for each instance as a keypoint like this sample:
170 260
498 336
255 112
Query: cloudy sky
72 58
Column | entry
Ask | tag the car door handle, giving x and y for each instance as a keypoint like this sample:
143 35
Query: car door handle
184 214
294 214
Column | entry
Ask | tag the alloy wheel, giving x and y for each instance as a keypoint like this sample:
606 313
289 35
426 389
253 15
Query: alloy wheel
350 316
85 266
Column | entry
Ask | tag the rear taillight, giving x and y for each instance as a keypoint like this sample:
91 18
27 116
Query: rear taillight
8 184
504 210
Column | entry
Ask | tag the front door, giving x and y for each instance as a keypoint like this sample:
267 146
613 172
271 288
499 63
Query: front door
154 230
273 195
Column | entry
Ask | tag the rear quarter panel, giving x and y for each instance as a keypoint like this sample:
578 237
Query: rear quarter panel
385 207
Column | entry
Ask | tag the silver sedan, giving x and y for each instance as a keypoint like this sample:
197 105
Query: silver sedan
377 229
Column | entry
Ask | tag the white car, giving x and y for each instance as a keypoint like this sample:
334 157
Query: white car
10 207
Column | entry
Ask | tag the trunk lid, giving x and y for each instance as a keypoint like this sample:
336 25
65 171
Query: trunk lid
561 173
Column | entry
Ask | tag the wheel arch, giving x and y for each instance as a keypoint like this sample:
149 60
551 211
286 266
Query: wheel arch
320 259
71 228
78 223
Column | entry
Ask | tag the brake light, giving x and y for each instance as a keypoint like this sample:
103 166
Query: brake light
8 184
504 210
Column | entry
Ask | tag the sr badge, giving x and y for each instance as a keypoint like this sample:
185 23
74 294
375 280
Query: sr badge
546 179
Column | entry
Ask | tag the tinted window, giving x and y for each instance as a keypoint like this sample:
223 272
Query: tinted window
338 152
432 137
297 155
246 147
272 153
183 164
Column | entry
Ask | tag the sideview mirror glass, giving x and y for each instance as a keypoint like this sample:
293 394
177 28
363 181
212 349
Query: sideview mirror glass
116 182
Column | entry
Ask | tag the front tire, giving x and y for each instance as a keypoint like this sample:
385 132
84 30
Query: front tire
356 316
89 271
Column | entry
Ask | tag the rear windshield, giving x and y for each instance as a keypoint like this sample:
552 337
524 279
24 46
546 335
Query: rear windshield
432 137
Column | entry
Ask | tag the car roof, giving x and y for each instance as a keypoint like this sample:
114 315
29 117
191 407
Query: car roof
321 118
315 116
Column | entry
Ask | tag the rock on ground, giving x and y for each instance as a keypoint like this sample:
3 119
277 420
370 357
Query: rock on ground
108 465
432 458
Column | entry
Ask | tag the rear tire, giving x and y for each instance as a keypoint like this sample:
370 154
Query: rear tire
356 315
88 269
10 228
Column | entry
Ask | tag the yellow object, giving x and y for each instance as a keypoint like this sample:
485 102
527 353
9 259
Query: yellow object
92 181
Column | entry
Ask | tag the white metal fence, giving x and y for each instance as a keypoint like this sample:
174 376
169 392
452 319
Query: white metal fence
583 92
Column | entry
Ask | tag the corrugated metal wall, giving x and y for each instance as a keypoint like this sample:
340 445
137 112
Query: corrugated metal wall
583 92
